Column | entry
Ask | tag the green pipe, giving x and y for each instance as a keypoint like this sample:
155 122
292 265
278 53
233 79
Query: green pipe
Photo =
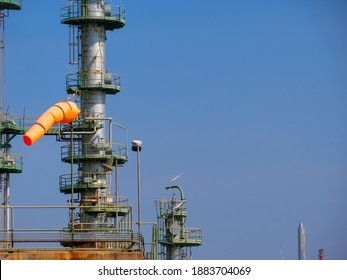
179 188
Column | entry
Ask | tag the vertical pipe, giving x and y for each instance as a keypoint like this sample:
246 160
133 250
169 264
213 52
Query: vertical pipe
72 185
3 177
5 203
116 192
138 195
2 48
7 187
12 226
6 207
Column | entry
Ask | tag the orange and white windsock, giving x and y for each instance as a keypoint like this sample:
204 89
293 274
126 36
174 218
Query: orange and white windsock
63 111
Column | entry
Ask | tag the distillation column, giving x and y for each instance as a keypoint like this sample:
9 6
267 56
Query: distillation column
93 101
91 146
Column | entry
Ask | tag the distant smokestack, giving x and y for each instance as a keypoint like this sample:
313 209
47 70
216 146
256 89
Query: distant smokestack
301 239
321 254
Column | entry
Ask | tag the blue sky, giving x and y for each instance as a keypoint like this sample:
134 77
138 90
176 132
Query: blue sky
246 98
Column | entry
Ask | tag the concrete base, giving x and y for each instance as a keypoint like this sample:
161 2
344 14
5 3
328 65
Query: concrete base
34 254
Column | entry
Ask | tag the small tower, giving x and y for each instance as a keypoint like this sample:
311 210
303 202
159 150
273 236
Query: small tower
175 238
301 242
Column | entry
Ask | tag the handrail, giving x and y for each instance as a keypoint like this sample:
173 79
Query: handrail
68 236
92 150
191 236
103 235
83 11
11 161
107 81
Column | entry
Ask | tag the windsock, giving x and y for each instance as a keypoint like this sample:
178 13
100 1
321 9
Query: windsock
63 111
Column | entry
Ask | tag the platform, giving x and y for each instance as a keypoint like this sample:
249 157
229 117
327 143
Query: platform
10 5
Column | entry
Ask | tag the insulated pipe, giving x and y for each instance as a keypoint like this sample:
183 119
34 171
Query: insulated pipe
63 111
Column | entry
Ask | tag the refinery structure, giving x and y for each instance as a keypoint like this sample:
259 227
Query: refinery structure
99 222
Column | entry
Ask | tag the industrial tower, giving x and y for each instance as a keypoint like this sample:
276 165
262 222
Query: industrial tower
175 238
90 146
9 163
301 242
99 221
